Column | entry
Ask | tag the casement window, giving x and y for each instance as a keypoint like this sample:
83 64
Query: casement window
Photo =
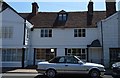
62 17
11 54
46 32
44 54
79 32
6 32
80 52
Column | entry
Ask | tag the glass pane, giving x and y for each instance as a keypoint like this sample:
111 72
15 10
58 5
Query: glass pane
50 33
75 32
83 51
19 55
46 33
13 51
69 51
60 17
64 17
83 32
79 32
83 56
42 33
73 51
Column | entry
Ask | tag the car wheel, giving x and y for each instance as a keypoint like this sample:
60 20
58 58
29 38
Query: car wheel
51 73
94 73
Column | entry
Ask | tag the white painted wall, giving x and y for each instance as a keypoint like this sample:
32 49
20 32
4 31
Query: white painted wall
64 38
12 19
110 35
119 27
11 64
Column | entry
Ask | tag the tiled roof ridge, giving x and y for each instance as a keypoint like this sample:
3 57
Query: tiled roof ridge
66 12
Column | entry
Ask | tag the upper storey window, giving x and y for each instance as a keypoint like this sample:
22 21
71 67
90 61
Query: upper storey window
6 32
46 32
79 32
62 16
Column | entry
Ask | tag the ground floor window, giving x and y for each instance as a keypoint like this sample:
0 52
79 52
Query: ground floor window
114 55
80 52
11 54
45 54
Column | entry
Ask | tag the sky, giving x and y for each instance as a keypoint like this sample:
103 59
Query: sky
56 5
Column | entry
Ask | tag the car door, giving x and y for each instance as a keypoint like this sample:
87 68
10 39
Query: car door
59 64
73 65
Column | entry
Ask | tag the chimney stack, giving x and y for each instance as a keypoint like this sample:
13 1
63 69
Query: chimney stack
35 8
110 7
90 13
34 11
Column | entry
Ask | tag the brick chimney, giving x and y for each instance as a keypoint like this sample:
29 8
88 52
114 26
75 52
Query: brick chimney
35 8
110 7
90 13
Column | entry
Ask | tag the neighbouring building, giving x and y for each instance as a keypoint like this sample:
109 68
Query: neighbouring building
72 33
110 34
14 37
91 35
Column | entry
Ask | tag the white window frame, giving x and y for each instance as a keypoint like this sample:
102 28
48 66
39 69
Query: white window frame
6 32
46 33
76 52
62 17
9 54
79 32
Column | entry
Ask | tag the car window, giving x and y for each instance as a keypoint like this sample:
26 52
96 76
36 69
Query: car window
54 60
62 60
71 60
57 60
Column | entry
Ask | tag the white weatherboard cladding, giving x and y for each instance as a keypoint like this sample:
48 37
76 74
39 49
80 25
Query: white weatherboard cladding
110 31
63 38
110 35
11 64
12 19
119 28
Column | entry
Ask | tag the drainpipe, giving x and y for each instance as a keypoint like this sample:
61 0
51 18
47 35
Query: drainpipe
87 54
102 60
23 49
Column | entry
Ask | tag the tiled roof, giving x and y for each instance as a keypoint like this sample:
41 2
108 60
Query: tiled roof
74 20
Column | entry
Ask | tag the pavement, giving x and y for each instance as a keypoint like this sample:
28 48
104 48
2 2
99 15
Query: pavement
32 70
26 70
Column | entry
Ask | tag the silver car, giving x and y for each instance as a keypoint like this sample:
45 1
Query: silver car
69 64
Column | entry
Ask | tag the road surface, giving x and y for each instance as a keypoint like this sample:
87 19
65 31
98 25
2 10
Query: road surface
10 75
